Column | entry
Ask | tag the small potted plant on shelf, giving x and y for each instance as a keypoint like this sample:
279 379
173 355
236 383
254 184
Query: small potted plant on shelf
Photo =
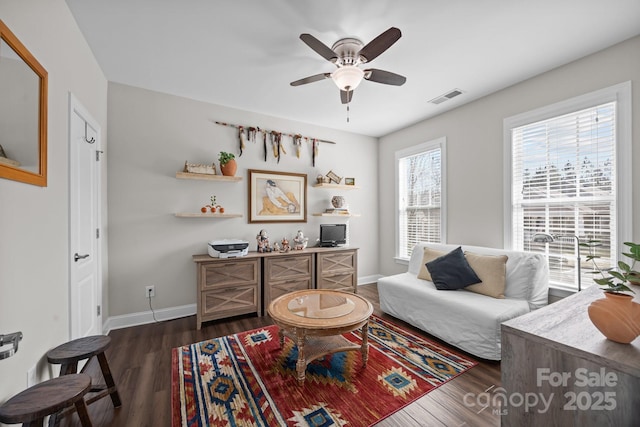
616 316
228 165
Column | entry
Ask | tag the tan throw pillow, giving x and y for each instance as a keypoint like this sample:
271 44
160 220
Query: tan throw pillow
428 256
492 270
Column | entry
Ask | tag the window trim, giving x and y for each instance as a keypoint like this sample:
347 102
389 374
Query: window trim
621 93
440 143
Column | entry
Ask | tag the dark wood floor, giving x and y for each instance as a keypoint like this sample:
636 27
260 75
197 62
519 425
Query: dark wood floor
140 359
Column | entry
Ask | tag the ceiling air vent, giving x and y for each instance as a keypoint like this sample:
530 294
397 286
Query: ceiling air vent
447 96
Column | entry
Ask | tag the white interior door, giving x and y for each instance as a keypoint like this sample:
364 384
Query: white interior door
85 272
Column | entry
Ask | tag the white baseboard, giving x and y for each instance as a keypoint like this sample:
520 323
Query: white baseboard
145 317
369 279
142 318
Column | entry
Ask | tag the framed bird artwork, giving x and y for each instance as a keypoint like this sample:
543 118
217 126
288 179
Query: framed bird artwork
277 196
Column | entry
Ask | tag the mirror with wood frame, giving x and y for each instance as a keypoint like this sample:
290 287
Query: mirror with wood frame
23 112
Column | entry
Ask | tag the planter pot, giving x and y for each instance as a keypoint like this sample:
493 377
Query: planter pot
229 168
616 316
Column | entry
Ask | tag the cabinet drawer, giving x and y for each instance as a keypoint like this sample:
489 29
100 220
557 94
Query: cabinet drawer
284 268
230 273
219 303
279 288
338 282
336 262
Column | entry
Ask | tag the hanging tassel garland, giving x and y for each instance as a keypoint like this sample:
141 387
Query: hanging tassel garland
297 142
280 145
314 151
264 143
241 138
276 141
251 134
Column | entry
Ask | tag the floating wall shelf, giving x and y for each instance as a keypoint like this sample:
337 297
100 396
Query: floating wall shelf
206 177
207 215
336 186
336 215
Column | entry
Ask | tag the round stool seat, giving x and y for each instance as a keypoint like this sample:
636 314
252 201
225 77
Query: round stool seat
45 398
69 354
79 349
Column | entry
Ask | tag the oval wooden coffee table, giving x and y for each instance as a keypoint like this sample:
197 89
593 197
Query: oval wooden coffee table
315 320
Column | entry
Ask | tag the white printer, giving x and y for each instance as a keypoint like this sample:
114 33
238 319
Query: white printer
228 248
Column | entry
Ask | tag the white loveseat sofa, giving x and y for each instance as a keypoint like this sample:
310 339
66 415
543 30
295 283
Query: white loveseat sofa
465 319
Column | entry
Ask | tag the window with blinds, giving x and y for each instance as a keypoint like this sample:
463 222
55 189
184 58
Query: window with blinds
420 196
564 183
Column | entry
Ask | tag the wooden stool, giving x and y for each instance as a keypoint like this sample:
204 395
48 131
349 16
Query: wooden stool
69 354
33 404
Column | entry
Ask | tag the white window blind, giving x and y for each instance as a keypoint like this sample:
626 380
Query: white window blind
564 184
420 196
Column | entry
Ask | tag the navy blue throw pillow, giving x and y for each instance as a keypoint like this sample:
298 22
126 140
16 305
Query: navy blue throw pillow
452 271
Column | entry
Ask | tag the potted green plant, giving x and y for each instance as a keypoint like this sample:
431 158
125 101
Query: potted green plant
616 316
228 164
616 280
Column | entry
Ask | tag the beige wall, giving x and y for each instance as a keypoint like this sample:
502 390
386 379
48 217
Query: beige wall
150 137
475 146
34 250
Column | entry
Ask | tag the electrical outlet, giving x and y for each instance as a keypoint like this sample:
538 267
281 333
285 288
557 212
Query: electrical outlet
31 376
149 291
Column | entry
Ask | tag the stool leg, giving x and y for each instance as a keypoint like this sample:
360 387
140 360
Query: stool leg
108 379
68 368
54 420
81 409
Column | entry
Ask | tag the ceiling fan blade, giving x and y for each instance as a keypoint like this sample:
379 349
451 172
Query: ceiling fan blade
311 79
378 45
322 49
384 77
345 96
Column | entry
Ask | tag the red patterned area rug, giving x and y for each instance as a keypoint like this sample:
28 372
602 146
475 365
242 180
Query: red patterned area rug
246 379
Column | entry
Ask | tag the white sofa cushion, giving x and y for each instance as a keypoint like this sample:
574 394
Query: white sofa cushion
467 320
527 275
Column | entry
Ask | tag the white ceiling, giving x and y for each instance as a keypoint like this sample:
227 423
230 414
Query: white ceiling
244 53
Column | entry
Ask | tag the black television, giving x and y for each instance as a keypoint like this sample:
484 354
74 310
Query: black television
333 235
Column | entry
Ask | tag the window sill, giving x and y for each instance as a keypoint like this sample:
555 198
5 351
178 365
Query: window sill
402 261
559 291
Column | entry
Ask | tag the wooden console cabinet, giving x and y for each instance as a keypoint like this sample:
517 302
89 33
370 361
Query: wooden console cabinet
337 270
285 273
557 355
234 286
228 287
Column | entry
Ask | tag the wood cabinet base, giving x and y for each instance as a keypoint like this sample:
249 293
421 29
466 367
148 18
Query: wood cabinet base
234 286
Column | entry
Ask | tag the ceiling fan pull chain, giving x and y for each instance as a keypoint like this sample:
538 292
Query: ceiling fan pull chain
347 113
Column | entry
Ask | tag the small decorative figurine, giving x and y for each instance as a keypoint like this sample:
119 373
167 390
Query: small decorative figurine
300 242
263 241
276 247
285 245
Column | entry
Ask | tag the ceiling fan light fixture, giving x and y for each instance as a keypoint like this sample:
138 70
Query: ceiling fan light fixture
347 77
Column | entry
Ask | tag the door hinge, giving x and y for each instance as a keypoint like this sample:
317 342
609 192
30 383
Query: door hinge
98 310
98 152
97 233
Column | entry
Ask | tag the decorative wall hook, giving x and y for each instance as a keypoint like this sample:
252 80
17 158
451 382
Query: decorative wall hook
90 141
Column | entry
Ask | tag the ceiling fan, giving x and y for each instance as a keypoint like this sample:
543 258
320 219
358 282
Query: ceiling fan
348 54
